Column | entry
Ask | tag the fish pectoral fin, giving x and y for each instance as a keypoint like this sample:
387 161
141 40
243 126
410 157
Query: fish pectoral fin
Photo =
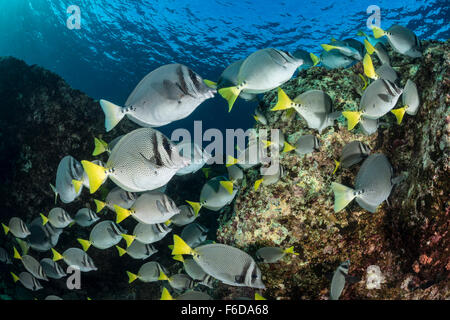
113 114
384 97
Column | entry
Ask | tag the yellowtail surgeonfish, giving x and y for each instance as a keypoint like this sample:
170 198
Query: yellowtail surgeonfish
138 250
27 280
17 227
410 100
104 235
150 233
401 39
148 272
75 257
31 265
273 254
57 217
352 153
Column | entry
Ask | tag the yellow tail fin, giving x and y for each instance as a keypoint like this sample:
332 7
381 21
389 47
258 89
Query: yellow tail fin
399 113
121 251
337 166
288 147
97 175
122 213
100 146
56 256
290 250
15 277
228 185
283 103
353 118
100 205
5 228
77 184
181 247
44 219
165 295
86 244
231 161
328 47
314 59
128 239
211 84
178 257
113 114
256 118
342 196
258 183
369 71
378 32
259 297
131 276
162 276
196 206
266 143
17 254
230 94
369 47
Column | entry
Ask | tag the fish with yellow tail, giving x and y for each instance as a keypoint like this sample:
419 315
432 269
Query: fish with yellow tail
148 272
269 177
75 257
352 153
401 39
188 295
57 217
138 250
104 235
410 101
31 265
273 254
101 146
228 264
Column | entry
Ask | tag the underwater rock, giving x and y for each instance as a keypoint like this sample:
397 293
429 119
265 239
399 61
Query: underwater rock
407 235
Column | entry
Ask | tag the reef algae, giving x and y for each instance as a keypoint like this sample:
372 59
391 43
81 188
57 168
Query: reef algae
407 238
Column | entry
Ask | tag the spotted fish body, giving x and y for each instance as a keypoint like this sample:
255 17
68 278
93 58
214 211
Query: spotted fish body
68 169
379 98
144 159
150 233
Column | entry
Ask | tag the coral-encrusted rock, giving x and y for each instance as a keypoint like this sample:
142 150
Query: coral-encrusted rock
407 238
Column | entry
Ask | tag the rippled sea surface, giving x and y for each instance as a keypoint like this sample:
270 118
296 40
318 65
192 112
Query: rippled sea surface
120 41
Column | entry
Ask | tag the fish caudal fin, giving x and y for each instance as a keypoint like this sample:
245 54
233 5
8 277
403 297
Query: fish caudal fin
230 94
328 47
369 47
131 276
44 219
15 277
257 184
231 161
100 205
399 113
86 244
378 32
100 147
283 103
337 166
228 185
77 184
165 295
96 174
128 239
162 276
181 247
266 143
353 117
364 81
210 84
291 251
113 114
5 228
206 172
17 254
56 256
259 297
121 251
178 257
343 195
121 213
288 147
196 206
315 59
369 70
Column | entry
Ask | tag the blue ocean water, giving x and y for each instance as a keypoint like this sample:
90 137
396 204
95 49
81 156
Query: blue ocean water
120 41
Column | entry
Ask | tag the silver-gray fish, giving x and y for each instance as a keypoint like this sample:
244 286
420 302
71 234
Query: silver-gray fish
27 280
373 185
77 258
52 297
333 59
270 175
119 197
186 216
273 254
58 218
343 48
104 235
260 72
225 263
369 126
43 238
307 144
144 159
31 265
260 117
69 169
150 233
381 51
4 257
386 72
338 280
148 272
168 93
309 59
352 153
235 174
85 217
17 227
138 250
191 267
197 156
194 234
410 100
52 269
401 39
179 281
150 208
